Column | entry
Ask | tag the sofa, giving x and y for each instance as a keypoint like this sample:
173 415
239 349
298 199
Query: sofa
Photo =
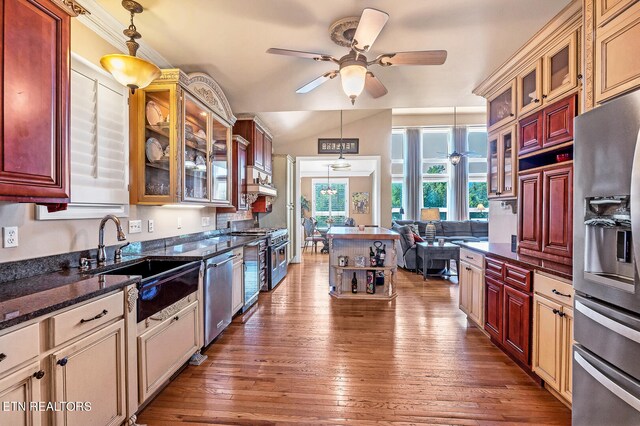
450 231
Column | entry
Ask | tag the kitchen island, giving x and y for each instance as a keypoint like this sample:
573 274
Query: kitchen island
349 243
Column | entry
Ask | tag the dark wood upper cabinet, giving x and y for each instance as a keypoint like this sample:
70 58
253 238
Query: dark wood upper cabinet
239 147
557 211
558 121
267 147
530 209
531 133
493 308
517 323
34 78
260 144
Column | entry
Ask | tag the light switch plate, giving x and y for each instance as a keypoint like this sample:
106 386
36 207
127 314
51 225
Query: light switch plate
179 222
10 236
135 226
150 225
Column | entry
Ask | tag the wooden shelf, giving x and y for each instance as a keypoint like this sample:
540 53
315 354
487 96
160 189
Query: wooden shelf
162 131
193 145
372 268
363 296
164 165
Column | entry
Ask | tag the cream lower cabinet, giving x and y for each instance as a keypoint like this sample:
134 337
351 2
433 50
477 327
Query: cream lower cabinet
237 288
553 333
92 370
471 282
22 387
164 348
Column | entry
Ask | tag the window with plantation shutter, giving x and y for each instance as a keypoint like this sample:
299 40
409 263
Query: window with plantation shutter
99 145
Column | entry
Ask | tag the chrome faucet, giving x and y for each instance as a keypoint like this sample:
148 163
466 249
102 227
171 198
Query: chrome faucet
102 255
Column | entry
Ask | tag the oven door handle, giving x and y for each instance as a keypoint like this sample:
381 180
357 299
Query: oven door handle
215 265
278 247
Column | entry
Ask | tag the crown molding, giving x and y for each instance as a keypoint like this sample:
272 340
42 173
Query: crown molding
110 29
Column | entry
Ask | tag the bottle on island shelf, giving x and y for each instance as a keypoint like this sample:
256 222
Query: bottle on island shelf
354 284
373 261
380 278
382 255
371 286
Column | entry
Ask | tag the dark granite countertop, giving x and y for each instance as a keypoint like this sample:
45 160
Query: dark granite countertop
203 249
504 252
27 298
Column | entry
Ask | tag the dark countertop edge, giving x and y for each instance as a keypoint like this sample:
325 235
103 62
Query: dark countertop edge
520 262
4 324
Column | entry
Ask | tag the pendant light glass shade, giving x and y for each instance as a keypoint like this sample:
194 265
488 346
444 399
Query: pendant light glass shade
130 71
352 78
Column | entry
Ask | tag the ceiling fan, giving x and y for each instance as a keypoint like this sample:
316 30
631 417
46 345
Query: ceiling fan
358 34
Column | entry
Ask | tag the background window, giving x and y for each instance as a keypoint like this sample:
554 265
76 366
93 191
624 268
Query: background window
397 173
477 169
337 204
436 169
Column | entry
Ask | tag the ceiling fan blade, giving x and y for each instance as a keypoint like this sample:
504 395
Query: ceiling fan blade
300 54
424 57
371 23
374 86
317 82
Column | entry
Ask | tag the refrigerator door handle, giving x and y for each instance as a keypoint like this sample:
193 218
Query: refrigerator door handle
635 204
612 325
606 382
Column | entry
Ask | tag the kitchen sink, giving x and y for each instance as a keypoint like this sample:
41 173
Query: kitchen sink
148 268
164 282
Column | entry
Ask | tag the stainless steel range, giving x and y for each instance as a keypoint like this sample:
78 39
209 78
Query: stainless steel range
276 253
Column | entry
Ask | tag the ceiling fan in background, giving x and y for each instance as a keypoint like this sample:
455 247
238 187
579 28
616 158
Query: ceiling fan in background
358 34
455 157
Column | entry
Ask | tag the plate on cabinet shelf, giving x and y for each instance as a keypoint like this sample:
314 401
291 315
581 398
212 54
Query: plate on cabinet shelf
188 164
153 113
154 150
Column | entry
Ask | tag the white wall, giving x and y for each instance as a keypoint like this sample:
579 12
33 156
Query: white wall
374 133
43 238
420 120
502 223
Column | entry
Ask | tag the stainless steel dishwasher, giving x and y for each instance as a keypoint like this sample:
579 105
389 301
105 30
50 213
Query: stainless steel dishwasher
217 295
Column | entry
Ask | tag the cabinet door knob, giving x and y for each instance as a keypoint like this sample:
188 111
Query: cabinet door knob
512 115
561 314
544 96
536 100
579 76
62 362
2 357
39 374
555 311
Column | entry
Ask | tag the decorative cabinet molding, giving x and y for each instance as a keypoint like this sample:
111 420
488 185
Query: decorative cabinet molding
72 7
34 154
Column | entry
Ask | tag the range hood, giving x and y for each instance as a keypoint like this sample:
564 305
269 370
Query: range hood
259 184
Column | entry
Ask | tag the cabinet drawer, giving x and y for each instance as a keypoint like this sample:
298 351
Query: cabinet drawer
553 288
493 268
70 324
19 346
472 258
517 277
163 349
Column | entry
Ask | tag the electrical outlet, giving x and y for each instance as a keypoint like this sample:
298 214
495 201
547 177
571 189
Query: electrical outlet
10 236
135 226
150 225
179 223
206 221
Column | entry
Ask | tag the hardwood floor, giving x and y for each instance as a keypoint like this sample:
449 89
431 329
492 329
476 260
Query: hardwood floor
301 357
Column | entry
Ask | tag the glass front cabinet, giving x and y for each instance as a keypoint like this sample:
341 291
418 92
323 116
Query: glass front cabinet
181 141
502 163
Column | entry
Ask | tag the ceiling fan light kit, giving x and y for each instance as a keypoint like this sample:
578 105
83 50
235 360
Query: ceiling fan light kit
358 34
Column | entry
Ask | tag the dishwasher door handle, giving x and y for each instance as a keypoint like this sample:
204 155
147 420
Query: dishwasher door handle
215 265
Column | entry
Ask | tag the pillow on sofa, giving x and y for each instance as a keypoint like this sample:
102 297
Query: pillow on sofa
417 238
406 234
479 228
403 222
456 229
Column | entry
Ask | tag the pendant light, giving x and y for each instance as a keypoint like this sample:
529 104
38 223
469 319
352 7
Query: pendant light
328 190
455 156
341 162
129 70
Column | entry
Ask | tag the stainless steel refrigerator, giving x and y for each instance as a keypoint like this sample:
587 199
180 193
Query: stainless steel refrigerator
606 356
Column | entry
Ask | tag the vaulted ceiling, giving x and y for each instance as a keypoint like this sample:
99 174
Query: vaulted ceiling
228 39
